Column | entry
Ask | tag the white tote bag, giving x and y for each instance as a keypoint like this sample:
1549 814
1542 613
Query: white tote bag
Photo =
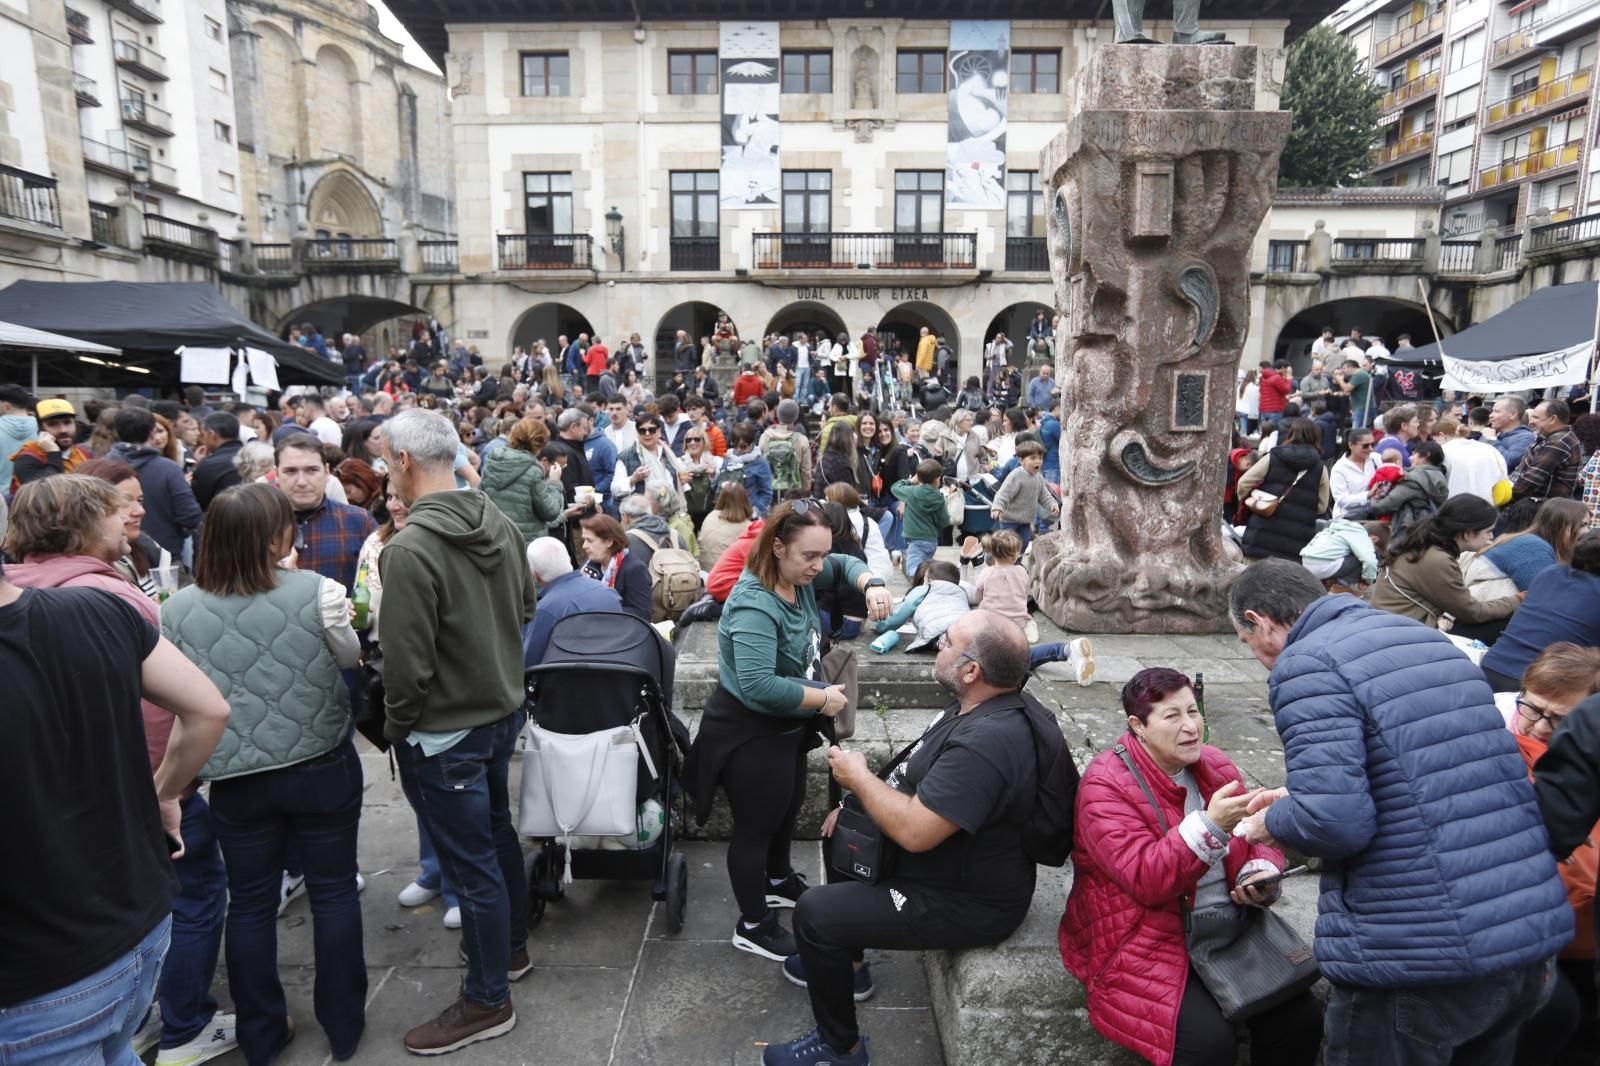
579 785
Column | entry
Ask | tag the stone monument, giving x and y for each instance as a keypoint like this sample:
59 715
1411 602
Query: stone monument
1155 190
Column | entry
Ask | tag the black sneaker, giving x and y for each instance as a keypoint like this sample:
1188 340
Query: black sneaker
770 939
795 971
787 893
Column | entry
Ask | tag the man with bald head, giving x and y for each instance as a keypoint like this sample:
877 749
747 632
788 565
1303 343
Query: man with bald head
951 803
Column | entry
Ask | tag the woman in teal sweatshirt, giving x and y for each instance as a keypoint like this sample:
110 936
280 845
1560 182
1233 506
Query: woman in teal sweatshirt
768 707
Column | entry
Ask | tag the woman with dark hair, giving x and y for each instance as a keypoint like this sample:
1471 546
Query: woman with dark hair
1513 560
1420 493
286 772
612 563
1292 473
1421 576
843 608
1136 871
361 442
1562 604
768 708
144 554
838 461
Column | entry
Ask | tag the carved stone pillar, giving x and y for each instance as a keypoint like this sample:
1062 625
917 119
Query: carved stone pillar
1156 189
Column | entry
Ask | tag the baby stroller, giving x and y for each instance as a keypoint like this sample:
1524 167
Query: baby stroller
978 496
601 745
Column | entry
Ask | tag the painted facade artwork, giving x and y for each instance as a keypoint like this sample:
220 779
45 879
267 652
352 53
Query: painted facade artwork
978 76
749 60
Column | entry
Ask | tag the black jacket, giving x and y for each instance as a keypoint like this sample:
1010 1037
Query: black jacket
216 472
1567 780
1294 523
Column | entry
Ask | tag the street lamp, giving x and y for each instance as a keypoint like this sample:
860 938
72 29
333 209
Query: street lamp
616 235
141 180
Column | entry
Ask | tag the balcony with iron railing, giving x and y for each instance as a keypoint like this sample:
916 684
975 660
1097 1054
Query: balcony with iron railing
365 255
1512 170
1415 89
143 115
867 251
146 11
1419 33
1405 148
119 161
1286 257
230 256
1569 231
546 251
1027 254
698 253
146 62
1512 46
1564 91
78 27
171 239
86 90
276 259
439 257
29 197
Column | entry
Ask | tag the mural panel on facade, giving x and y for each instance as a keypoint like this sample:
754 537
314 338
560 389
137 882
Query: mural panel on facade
979 74
748 57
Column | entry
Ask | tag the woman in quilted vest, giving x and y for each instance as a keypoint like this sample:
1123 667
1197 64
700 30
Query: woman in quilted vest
273 640
1294 473
1122 934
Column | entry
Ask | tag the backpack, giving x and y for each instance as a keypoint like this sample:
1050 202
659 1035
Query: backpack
700 495
785 463
675 581
1047 831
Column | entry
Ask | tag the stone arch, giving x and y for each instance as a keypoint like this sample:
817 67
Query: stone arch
1014 321
1375 316
342 207
338 100
808 317
904 321
696 318
546 322
279 62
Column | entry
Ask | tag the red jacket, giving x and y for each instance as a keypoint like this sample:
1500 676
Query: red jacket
594 360
724 575
1275 390
748 387
1121 934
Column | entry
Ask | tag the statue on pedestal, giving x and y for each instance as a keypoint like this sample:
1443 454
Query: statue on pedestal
1129 16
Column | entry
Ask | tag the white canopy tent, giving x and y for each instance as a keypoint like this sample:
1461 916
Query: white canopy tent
26 338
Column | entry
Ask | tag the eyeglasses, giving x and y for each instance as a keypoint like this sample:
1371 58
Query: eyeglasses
645 431
1533 714
943 644
691 440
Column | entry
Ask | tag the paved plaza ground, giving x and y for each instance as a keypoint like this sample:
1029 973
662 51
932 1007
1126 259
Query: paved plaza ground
612 986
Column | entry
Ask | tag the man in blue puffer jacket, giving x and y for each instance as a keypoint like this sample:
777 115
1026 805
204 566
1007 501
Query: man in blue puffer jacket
1441 910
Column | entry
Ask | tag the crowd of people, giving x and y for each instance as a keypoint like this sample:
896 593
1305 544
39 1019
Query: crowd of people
265 585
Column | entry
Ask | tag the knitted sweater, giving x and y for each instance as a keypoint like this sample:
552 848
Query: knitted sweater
1522 558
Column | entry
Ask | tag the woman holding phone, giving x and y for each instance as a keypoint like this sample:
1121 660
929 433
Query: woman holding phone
769 708
1123 930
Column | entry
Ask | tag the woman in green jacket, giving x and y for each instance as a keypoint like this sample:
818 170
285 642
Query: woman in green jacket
768 708
516 483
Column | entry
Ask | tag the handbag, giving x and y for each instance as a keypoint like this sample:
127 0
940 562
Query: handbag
581 785
1249 962
840 667
1266 504
858 848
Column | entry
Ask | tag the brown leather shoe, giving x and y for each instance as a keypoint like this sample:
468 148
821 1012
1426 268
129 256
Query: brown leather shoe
462 1023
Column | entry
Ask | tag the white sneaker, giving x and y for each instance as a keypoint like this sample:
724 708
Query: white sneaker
361 884
414 895
149 1034
215 1039
1030 631
292 889
1081 660
452 918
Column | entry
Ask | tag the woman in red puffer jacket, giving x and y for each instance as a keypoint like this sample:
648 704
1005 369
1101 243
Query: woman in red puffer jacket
1122 935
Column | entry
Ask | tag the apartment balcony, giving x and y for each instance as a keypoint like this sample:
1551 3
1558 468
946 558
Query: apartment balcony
546 251
352 255
78 27
120 162
29 197
1512 46
1458 257
135 57
171 239
856 252
439 257
1562 92
276 259
1027 254
1406 94
697 253
1406 148
1565 231
85 89
1514 170
1413 37
1358 251
146 11
143 115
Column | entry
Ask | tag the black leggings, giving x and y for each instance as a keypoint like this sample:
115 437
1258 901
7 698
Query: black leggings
1287 1035
766 783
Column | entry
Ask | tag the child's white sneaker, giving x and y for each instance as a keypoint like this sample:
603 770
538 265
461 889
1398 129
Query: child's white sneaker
1081 660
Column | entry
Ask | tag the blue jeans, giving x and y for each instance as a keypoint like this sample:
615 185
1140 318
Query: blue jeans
1022 529
463 800
427 856
90 1021
1470 1024
317 805
917 553
198 911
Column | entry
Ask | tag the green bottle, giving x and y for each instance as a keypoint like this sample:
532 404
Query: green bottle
362 599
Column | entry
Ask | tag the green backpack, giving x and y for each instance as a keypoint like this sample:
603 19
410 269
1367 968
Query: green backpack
780 455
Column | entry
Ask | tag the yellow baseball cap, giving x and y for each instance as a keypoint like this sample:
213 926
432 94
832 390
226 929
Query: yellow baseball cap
48 409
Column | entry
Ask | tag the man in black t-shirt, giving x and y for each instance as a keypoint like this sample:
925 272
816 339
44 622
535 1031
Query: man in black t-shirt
88 892
953 804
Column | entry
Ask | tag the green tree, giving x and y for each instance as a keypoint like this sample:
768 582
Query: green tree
1335 106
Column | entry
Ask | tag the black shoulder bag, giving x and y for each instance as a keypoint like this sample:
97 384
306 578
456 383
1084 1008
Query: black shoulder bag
1249 963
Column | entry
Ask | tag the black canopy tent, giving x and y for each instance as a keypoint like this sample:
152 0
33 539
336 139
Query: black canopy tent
1545 339
148 321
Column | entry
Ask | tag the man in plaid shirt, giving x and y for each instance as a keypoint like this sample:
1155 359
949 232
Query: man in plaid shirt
328 534
1550 466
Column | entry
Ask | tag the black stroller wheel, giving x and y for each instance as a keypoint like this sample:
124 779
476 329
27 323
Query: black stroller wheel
677 891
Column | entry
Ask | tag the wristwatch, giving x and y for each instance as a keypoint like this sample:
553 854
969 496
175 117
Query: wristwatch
875 583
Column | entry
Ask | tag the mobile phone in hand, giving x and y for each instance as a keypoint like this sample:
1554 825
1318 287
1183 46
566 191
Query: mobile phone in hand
1273 879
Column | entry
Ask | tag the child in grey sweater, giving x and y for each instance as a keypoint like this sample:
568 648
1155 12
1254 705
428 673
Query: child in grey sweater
1024 493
